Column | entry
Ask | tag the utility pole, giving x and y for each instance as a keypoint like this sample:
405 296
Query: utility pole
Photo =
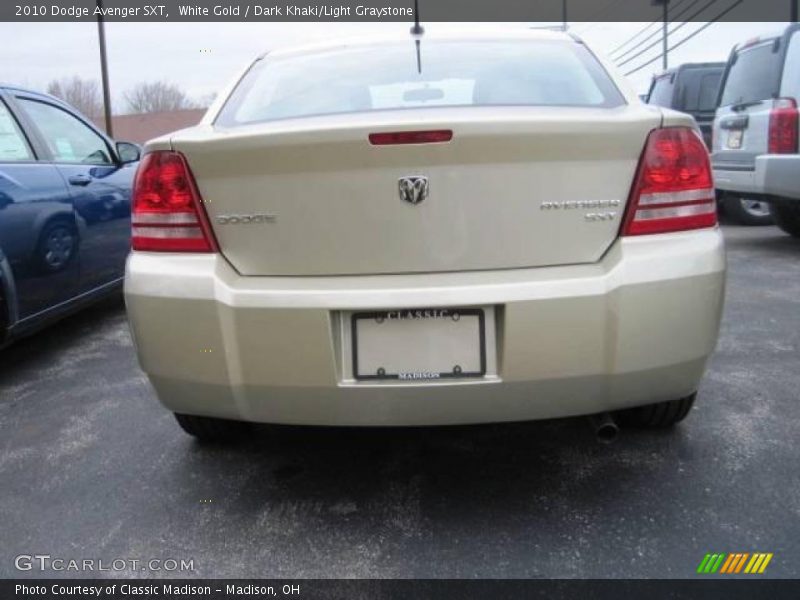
665 61
101 35
564 15
665 18
793 4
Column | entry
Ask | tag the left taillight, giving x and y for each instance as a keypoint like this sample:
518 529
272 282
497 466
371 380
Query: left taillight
167 213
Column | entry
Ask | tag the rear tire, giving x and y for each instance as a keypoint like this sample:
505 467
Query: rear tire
57 246
211 430
658 416
746 211
787 217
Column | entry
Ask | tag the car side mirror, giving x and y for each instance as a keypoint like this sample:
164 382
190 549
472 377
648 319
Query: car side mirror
128 152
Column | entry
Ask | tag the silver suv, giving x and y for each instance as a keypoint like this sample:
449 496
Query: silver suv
755 142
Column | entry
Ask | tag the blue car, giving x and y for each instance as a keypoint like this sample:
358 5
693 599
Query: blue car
65 194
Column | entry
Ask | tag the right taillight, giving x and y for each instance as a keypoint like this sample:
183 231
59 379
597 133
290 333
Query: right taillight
783 127
673 189
167 215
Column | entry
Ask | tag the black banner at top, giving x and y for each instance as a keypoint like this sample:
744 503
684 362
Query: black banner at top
534 11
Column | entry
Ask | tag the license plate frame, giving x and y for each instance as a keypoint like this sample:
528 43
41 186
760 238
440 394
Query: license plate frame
404 377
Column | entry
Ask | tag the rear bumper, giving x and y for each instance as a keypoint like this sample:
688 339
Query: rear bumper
773 175
633 329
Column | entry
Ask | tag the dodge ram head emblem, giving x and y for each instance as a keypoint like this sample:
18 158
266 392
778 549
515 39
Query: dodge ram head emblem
413 189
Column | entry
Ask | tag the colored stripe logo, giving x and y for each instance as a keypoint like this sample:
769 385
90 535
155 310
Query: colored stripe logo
733 563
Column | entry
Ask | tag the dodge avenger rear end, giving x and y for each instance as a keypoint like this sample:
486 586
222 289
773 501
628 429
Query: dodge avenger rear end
426 230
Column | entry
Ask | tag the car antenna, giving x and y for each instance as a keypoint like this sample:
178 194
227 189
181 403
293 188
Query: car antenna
417 30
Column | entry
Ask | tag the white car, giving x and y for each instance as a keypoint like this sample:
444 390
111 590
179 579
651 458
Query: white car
463 228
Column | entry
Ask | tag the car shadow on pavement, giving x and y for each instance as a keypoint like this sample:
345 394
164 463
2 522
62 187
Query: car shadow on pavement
443 473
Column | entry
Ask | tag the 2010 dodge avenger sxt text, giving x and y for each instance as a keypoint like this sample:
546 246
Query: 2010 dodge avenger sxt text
428 181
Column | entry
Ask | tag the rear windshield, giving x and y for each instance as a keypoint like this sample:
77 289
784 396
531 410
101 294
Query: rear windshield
661 92
754 76
707 94
700 90
393 76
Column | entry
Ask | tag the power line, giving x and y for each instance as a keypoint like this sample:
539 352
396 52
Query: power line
641 31
633 37
687 38
675 18
674 29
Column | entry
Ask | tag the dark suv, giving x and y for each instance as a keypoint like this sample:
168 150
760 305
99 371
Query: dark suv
693 88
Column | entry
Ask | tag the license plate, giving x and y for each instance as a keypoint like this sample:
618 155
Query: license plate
735 139
419 344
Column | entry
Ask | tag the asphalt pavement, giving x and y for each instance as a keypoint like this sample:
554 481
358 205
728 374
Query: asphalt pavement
91 467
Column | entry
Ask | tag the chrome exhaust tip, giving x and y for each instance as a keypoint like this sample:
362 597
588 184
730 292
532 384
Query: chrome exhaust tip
605 428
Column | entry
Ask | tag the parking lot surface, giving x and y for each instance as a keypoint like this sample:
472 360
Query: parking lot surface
92 467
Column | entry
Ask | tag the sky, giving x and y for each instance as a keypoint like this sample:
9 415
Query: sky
202 57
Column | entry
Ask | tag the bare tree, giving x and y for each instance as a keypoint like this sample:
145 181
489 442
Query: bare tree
83 94
158 96
205 100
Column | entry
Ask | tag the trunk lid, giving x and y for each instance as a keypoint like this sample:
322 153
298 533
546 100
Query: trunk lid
515 187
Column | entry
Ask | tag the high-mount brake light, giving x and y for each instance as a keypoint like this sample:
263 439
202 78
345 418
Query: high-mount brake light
673 189
437 136
167 213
